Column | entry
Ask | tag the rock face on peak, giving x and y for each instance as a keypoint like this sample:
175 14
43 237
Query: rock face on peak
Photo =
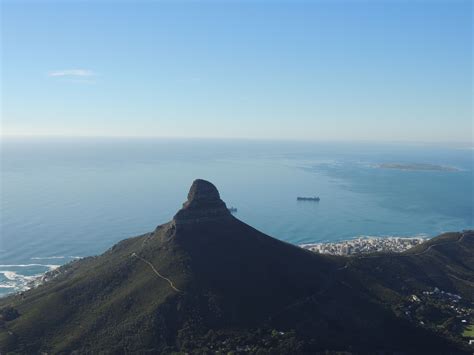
202 191
203 205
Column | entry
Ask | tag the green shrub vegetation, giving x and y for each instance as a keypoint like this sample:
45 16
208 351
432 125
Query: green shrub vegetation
240 291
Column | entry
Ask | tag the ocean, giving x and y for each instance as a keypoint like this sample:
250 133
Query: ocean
63 199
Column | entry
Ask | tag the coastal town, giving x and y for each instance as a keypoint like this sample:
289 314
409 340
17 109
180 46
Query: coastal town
364 245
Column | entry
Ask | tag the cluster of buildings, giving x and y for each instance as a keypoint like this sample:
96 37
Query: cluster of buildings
440 294
364 245
452 301
458 314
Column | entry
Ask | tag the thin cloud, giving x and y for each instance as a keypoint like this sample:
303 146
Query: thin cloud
78 73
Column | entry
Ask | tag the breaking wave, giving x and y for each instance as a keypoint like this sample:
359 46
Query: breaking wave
15 281
55 257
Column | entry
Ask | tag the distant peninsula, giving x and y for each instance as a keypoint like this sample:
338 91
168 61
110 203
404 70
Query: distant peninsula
416 167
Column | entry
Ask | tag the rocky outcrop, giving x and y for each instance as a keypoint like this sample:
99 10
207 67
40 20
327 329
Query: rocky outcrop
204 204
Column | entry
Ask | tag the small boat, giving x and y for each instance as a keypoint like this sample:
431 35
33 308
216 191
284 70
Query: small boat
232 209
315 198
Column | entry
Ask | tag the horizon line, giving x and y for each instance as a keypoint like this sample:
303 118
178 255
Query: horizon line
470 144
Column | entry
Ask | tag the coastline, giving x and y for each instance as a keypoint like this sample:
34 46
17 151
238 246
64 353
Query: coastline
348 247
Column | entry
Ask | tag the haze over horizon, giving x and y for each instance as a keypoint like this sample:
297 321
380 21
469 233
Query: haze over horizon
314 70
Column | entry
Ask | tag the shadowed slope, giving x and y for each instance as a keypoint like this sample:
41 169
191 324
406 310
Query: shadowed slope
446 262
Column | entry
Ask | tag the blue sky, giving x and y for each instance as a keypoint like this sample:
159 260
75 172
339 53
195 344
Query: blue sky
322 70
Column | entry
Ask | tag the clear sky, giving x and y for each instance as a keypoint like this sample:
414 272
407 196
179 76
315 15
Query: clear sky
322 70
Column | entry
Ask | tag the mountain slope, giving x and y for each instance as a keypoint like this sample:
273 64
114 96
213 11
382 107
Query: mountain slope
207 281
446 262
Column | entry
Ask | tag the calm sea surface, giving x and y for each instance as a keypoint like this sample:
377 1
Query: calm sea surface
63 199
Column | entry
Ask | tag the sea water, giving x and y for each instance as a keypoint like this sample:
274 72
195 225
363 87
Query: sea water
63 199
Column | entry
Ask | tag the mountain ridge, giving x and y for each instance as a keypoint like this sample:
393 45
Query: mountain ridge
206 277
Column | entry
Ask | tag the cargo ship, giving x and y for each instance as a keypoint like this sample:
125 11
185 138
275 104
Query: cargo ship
315 198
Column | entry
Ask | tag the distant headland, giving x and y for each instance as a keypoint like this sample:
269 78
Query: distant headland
416 167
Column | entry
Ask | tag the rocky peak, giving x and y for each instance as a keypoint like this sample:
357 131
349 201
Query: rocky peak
203 204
